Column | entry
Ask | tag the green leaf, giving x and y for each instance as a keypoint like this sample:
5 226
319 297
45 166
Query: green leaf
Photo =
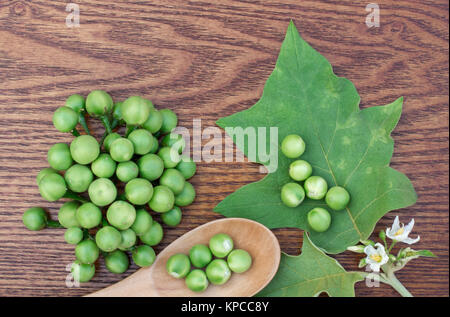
345 145
310 274
408 254
426 253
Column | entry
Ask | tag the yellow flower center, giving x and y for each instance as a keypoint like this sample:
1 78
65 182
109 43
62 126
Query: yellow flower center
399 232
376 257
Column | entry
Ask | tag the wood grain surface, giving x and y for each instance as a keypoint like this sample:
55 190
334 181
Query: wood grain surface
209 59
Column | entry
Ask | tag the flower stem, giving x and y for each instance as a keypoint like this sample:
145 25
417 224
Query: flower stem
389 278
397 285
75 132
392 245
72 195
130 128
83 123
114 123
106 124
53 224
103 138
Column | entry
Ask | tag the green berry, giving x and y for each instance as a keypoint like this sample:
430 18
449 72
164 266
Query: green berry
35 218
84 149
292 194
59 157
143 255
319 219
178 265
293 146
73 235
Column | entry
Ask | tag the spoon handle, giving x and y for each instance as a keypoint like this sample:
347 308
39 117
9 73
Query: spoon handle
138 284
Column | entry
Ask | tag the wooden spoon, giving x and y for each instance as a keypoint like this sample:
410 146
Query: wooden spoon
249 235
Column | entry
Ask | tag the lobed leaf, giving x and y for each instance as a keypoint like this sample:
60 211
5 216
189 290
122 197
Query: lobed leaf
347 146
310 274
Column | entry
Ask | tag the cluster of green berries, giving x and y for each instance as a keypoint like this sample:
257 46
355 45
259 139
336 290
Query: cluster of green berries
211 258
307 185
111 183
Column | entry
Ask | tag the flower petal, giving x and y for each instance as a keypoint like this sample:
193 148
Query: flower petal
409 226
369 250
411 241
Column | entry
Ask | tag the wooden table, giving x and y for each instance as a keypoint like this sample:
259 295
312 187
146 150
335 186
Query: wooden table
208 59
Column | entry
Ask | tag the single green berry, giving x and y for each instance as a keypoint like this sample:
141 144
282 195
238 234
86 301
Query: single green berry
178 265
337 198
117 262
121 150
35 218
102 192
173 179
187 167
82 272
316 187
170 156
172 217
200 255
108 238
142 141
139 191
88 215
292 194
59 157
121 215
78 178
197 281
293 146
52 187
87 252
143 255
300 170
73 235
104 166
221 245
65 119
169 120
319 219
239 261
128 239
151 167
153 122
75 102
218 272
99 103
174 140
84 149
162 200
135 111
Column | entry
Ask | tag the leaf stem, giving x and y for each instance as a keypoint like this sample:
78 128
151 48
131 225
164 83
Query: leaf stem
75 132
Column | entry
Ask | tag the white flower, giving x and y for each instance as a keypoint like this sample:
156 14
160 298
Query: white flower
400 233
376 256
